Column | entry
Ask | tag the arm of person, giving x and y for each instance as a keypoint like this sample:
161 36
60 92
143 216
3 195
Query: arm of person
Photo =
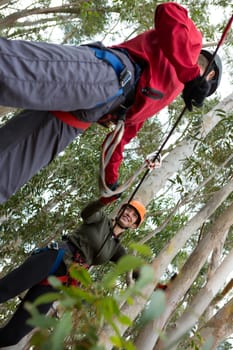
93 212
179 39
112 169
118 254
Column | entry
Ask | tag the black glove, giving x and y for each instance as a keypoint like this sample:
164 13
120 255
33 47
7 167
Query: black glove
113 186
108 200
195 91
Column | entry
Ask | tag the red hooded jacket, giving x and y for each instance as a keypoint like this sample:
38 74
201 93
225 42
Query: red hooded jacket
168 54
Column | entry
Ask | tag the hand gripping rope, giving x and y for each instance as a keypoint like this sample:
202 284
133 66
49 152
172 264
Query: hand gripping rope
114 138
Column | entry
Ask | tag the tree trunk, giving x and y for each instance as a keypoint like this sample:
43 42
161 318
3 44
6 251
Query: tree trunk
174 160
179 287
152 184
165 257
219 327
214 263
200 303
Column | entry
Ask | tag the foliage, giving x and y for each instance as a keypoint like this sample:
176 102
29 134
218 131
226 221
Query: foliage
49 205
84 309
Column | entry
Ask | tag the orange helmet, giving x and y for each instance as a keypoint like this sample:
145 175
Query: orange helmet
140 209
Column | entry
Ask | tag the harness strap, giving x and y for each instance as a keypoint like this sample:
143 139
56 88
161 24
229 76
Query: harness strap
57 262
124 75
65 279
109 57
70 119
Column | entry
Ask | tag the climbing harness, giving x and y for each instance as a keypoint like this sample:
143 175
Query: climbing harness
124 75
114 139
70 119
65 279
52 246
127 86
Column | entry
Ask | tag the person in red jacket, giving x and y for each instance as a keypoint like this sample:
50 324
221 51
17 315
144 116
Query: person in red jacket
66 88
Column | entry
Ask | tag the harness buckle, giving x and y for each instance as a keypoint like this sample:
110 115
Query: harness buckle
36 251
125 77
53 245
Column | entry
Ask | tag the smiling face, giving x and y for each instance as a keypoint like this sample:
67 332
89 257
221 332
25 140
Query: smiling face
128 217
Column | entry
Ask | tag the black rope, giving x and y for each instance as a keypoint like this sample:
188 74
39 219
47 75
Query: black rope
156 157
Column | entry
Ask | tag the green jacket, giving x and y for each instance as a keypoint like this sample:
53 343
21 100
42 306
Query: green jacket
94 239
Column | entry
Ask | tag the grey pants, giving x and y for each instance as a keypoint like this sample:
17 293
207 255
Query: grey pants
42 76
28 142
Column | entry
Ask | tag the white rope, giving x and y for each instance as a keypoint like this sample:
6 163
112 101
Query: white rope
110 144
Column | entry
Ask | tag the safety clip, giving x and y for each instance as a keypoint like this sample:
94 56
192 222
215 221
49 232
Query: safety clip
53 245
125 77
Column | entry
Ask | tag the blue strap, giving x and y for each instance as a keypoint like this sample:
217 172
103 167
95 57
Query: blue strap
57 262
109 57
120 69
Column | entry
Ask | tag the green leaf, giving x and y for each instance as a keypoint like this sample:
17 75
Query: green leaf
155 307
129 346
68 302
125 264
39 320
179 180
54 281
220 112
107 307
116 341
142 249
80 274
128 263
47 298
146 276
97 347
79 294
62 330
125 320
109 279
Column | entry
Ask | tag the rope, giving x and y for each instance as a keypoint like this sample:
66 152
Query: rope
158 153
110 145
111 142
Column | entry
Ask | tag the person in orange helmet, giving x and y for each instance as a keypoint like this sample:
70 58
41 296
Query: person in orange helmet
95 242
